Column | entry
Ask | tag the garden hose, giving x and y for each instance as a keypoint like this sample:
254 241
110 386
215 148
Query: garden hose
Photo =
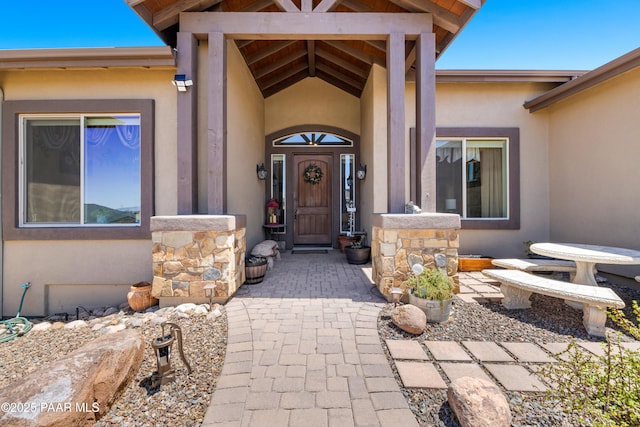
17 326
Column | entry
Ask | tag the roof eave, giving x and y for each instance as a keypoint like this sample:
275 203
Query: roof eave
146 57
599 75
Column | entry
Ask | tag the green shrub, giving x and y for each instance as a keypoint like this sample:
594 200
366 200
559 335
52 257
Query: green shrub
431 284
599 390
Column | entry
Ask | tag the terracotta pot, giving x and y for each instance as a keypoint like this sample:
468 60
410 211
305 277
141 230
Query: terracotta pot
139 296
344 241
254 273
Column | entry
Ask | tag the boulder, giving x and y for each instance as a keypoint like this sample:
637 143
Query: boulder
478 403
267 249
77 389
409 318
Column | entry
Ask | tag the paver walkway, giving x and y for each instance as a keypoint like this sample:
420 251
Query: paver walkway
303 350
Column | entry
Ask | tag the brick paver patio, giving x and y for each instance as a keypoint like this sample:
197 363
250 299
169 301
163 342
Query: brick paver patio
303 350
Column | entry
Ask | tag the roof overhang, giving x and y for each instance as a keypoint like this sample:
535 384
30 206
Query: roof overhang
601 74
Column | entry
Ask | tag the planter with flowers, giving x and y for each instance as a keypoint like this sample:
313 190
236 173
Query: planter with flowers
431 290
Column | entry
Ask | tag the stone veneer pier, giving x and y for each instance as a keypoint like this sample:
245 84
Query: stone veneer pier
397 238
192 251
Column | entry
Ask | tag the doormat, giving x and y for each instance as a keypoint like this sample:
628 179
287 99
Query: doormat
309 250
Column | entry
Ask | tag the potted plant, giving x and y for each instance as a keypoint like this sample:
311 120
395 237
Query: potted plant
431 290
358 252
255 268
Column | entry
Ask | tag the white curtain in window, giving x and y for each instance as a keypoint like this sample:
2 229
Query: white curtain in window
492 191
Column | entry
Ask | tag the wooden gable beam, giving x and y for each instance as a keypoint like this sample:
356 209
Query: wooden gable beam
340 76
410 60
283 76
284 84
311 55
327 5
269 51
342 63
441 16
261 72
296 26
306 6
350 51
340 84
169 16
474 4
286 5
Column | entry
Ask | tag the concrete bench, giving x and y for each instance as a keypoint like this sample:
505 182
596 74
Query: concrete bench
637 278
517 286
537 265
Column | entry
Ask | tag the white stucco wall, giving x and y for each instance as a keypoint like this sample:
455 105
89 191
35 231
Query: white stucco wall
593 158
110 267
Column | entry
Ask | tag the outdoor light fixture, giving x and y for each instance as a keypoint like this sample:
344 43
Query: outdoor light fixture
261 171
362 171
209 293
396 294
162 347
180 81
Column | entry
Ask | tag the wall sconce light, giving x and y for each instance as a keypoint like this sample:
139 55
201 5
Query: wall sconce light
261 172
180 81
209 292
362 171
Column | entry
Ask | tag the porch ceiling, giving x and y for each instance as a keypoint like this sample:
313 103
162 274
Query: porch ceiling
346 64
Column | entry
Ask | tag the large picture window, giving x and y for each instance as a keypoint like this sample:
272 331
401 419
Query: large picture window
471 177
77 169
80 170
477 176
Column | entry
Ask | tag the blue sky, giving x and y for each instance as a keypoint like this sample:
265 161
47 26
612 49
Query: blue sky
504 34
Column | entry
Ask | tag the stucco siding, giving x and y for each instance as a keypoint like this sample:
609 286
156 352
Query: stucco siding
593 161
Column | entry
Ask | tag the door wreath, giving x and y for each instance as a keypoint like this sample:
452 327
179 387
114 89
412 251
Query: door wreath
312 174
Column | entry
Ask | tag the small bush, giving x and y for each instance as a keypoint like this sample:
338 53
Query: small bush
599 390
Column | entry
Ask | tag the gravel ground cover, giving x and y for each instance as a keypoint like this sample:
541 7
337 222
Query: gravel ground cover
549 320
183 402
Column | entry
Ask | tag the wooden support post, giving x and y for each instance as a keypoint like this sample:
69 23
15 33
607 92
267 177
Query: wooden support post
187 113
395 123
217 125
426 122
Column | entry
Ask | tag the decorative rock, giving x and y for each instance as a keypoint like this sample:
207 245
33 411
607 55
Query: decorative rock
86 382
201 309
478 403
41 326
158 320
409 318
76 324
115 328
110 310
186 308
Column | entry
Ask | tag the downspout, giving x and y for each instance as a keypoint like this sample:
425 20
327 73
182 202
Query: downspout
1 236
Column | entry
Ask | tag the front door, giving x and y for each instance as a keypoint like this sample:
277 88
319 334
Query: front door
312 199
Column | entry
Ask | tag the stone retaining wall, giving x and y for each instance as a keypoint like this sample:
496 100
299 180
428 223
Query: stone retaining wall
399 238
192 251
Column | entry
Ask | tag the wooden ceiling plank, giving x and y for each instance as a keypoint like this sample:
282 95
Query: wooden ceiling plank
283 76
263 71
257 6
338 75
367 59
378 44
441 16
243 43
342 63
170 15
355 91
275 47
286 5
311 55
284 84
327 6
355 6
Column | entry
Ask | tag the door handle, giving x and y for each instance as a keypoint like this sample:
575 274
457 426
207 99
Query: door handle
295 214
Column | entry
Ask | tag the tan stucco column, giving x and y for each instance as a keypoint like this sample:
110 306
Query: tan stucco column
396 162
217 125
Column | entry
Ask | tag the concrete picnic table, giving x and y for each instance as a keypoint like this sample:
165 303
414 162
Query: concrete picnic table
586 257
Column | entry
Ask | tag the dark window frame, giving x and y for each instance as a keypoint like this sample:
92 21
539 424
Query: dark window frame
513 135
10 168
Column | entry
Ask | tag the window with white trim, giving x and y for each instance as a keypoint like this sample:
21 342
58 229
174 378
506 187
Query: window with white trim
79 170
472 177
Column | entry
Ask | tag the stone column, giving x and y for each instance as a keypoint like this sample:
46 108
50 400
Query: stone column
192 251
396 238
